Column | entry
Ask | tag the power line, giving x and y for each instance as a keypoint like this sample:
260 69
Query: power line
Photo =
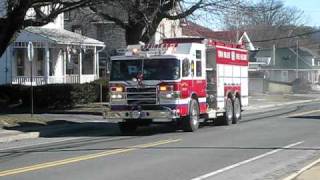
288 37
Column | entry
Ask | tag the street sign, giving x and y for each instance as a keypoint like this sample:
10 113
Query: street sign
30 51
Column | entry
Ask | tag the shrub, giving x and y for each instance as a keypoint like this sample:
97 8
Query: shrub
52 95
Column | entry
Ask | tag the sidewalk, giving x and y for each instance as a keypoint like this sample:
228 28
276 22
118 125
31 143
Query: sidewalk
263 101
309 172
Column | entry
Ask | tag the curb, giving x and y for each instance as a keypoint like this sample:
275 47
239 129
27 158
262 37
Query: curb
296 174
47 131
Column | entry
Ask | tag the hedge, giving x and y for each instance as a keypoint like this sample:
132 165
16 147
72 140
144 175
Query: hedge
52 96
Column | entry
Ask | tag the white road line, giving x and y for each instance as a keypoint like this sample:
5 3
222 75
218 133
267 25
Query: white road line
245 162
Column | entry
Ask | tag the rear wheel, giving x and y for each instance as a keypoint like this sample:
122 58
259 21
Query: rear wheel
236 111
127 127
191 122
228 115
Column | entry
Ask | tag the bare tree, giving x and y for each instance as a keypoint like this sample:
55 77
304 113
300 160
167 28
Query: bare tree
13 15
264 12
265 19
140 18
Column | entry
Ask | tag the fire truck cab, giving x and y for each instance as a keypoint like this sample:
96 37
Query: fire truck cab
182 80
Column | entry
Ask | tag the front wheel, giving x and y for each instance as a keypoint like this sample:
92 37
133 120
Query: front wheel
191 122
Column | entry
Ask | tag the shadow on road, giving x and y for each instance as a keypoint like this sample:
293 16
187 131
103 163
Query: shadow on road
63 128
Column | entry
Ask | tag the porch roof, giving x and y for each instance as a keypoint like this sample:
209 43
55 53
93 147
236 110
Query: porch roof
62 36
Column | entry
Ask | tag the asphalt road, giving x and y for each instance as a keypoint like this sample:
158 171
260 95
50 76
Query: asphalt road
265 145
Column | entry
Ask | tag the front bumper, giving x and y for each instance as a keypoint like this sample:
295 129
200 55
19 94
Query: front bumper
155 115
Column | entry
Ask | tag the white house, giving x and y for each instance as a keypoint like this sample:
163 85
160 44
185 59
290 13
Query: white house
168 29
60 56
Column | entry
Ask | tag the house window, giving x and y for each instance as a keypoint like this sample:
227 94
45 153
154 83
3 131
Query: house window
87 61
77 29
20 58
40 61
51 63
67 16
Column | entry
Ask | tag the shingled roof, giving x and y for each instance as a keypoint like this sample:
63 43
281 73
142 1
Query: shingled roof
61 36
192 29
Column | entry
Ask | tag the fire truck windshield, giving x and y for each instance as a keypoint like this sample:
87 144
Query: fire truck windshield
153 69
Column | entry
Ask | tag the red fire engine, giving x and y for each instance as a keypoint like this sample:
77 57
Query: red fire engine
182 80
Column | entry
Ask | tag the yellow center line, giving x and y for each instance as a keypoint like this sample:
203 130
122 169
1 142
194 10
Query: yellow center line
303 113
83 158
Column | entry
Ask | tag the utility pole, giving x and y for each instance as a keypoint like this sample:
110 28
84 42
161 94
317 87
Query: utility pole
273 54
297 59
30 57
238 22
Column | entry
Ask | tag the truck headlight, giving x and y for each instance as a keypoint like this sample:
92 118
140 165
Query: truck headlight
117 96
169 95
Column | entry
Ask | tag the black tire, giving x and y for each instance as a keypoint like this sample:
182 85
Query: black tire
236 111
191 122
127 127
228 115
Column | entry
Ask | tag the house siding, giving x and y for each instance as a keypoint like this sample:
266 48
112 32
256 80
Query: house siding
5 67
112 35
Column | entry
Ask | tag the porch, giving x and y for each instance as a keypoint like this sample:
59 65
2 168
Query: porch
60 56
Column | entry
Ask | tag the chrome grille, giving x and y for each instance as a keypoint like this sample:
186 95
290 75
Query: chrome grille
142 96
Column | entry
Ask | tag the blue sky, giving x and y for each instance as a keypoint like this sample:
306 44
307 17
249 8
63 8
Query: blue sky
311 10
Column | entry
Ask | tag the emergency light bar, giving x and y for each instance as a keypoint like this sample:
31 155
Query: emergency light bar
151 49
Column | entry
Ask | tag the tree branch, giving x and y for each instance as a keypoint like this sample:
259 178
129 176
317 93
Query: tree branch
186 13
118 21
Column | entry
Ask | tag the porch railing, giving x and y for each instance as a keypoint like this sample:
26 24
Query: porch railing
72 79
88 78
26 80
41 80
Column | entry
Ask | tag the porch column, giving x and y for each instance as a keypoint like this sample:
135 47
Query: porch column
97 65
95 62
65 54
80 65
47 64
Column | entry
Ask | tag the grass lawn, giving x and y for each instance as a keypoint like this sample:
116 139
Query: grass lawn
10 120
